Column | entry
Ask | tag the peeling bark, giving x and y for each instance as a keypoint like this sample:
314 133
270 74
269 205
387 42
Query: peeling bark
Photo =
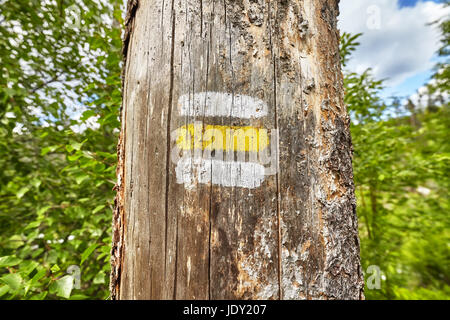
294 235
118 218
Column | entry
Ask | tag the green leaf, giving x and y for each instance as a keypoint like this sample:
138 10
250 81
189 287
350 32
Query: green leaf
9 261
43 135
13 280
79 297
43 210
15 242
87 114
3 290
22 192
27 267
62 287
40 296
55 268
99 278
46 150
33 225
39 275
81 178
98 208
69 148
88 252
74 157
36 183
76 146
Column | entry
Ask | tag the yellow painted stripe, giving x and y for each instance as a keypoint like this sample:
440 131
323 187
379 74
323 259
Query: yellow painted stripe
226 138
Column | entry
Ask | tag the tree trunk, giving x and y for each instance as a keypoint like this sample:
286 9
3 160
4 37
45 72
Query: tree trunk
234 177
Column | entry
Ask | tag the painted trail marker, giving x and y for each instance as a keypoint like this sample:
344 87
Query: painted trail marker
217 104
225 173
229 156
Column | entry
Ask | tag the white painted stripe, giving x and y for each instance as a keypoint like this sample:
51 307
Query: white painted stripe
248 175
217 104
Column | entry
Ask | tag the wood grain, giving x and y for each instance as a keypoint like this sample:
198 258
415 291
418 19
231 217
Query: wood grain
295 236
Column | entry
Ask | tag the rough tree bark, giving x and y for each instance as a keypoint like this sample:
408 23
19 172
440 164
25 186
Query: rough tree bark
211 76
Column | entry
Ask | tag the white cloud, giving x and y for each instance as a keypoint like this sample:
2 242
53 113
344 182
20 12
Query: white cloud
422 98
397 42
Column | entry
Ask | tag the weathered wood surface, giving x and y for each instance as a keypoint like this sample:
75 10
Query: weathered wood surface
292 237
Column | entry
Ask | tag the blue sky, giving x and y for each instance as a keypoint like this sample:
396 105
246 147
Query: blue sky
397 42
412 3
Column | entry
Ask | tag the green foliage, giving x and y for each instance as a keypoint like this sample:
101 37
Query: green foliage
441 78
349 44
401 167
57 180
